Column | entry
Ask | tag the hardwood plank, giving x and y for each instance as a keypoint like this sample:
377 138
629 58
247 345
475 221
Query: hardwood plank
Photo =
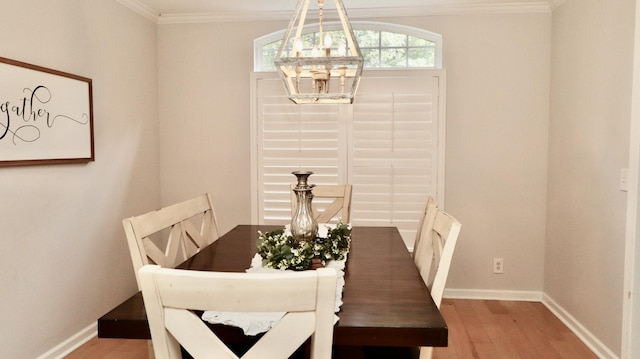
100 348
503 329
459 335
534 329
489 315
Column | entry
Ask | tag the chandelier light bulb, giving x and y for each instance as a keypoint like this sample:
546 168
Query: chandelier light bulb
299 46
342 49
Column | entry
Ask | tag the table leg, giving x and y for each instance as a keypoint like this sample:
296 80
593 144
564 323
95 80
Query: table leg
348 352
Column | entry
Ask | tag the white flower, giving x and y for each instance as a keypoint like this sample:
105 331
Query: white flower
323 231
287 230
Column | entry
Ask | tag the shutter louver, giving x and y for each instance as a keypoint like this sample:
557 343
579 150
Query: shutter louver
294 137
394 152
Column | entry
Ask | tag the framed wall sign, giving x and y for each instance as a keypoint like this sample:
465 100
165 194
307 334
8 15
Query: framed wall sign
46 116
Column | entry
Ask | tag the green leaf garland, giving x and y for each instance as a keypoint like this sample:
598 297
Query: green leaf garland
279 250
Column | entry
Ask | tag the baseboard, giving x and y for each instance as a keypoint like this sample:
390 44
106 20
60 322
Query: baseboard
74 342
514 295
590 340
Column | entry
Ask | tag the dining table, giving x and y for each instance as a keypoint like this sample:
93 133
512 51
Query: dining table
385 301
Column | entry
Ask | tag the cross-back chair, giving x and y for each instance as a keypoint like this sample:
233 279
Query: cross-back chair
340 207
436 249
307 298
440 236
426 217
188 226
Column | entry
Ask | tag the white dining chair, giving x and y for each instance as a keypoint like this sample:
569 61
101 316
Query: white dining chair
426 217
330 203
170 235
438 236
307 298
437 252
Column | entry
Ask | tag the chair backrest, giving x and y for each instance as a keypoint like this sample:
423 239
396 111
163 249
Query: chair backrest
340 207
441 233
307 298
182 229
427 215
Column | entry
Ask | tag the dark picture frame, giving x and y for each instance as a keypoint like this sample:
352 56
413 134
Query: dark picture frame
46 116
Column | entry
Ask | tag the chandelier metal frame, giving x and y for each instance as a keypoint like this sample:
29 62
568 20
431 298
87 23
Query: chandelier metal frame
324 73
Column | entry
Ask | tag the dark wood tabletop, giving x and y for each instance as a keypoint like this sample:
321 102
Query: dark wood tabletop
385 301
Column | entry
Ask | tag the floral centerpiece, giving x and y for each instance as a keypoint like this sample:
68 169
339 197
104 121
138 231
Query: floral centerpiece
280 250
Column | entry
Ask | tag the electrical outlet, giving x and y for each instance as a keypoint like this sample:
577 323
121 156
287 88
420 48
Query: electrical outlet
498 265
624 179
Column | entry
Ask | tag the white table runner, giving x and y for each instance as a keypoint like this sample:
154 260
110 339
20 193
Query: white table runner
255 323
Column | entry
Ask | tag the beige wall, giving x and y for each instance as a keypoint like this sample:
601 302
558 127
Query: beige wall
63 259
496 153
204 114
591 75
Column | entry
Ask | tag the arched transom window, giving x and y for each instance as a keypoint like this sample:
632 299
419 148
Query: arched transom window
383 46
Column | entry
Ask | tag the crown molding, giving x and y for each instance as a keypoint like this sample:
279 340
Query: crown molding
225 17
456 9
355 13
141 9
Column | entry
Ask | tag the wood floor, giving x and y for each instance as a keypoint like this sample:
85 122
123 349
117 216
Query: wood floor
510 330
477 329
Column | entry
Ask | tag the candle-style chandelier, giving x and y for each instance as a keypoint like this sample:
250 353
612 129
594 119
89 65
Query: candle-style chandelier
319 68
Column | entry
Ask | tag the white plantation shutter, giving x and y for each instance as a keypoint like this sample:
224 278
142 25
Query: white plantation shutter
294 137
394 149
387 144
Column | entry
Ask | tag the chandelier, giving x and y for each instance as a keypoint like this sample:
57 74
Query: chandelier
318 68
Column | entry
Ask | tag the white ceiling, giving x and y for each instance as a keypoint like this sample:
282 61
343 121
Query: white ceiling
201 10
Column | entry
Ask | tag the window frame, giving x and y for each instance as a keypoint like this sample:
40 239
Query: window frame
436 38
